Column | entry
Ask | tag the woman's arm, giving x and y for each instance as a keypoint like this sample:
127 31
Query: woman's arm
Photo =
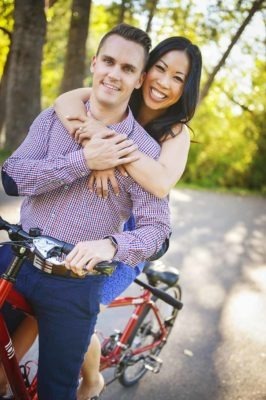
72 103
155 176
158 177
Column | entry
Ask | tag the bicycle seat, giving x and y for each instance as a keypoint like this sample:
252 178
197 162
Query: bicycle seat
158 272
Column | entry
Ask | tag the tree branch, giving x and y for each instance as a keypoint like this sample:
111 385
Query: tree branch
6 31
257 5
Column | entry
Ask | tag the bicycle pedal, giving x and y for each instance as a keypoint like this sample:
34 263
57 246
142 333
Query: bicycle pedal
153 364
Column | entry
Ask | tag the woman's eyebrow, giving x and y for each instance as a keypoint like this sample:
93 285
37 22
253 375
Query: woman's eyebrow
178 72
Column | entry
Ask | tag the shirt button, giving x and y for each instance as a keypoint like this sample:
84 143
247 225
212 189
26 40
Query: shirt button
53 215
83 173
66 187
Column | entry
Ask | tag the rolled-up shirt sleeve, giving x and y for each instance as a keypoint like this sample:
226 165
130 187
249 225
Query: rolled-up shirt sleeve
31 171
152 218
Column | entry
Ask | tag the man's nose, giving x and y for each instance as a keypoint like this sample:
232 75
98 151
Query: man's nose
115 73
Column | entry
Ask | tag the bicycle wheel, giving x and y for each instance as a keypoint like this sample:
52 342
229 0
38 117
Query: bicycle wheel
147 331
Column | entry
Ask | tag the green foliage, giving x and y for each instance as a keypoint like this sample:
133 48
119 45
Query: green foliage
229 124
232 147
58 19
6 25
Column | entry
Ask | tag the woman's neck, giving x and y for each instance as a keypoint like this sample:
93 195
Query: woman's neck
146 115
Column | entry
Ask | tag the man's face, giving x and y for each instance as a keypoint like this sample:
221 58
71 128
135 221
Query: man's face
117 71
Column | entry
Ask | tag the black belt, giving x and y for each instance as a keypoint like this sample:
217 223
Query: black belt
58 270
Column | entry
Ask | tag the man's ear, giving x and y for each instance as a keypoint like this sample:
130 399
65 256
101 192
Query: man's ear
93 62
140 81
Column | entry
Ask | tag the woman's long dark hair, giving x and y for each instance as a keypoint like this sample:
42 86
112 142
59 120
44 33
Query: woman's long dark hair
184 109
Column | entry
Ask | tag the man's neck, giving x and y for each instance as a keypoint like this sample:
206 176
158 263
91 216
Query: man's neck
107 115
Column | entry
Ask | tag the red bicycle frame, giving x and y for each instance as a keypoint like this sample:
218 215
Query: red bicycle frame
7 352
140 302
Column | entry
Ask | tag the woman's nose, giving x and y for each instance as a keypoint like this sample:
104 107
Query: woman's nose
164 82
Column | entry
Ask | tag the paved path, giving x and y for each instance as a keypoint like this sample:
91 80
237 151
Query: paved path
218 347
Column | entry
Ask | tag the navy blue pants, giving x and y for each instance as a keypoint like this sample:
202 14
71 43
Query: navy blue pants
66 310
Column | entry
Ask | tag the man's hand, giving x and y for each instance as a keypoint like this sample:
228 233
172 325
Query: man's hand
86 255
107 153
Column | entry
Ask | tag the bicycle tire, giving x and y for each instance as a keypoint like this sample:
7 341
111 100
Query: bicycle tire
145 333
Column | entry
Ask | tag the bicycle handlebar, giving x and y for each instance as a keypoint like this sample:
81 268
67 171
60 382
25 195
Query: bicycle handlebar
47 247
161 295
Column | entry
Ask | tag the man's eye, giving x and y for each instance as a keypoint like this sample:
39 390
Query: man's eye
107 61
128 69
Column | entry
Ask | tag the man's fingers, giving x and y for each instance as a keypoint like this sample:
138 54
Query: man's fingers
124 152
118 138
128 159
70 257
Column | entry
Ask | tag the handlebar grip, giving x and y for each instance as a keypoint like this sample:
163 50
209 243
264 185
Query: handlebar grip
105 267
67 247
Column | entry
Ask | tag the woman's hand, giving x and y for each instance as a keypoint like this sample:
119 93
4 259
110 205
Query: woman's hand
89 127
101 180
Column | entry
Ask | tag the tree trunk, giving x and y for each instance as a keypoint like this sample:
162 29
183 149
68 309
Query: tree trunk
257 5
151 6
123 8
74 71
3 92
23 85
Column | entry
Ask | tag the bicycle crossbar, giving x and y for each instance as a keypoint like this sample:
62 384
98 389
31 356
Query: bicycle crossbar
161 294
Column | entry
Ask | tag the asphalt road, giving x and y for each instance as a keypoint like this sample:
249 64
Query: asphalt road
217 350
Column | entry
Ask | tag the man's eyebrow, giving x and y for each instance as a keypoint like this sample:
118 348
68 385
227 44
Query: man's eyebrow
131 66
178 72
127 65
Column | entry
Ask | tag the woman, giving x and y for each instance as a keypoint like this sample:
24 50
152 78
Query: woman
163 106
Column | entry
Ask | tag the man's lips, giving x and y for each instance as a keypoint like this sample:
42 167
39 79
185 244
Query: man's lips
110 86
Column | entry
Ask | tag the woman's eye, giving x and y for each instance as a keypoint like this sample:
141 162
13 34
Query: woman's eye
159 67
178 79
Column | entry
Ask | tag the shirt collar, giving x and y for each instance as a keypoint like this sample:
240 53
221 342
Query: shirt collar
126 126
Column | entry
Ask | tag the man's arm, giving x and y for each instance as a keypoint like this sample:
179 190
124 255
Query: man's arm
30 171
152 219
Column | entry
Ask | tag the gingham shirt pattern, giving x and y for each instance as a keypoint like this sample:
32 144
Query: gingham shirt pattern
50 170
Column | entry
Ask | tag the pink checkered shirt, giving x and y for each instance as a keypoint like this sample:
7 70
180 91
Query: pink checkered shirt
50 170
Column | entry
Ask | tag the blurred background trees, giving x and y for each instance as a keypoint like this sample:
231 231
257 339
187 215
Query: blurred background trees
49 44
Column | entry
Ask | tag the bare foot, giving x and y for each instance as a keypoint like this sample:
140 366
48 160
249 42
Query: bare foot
87 390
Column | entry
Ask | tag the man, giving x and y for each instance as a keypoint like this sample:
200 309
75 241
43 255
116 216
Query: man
51 170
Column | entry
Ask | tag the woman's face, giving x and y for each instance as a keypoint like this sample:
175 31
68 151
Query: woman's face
164 83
